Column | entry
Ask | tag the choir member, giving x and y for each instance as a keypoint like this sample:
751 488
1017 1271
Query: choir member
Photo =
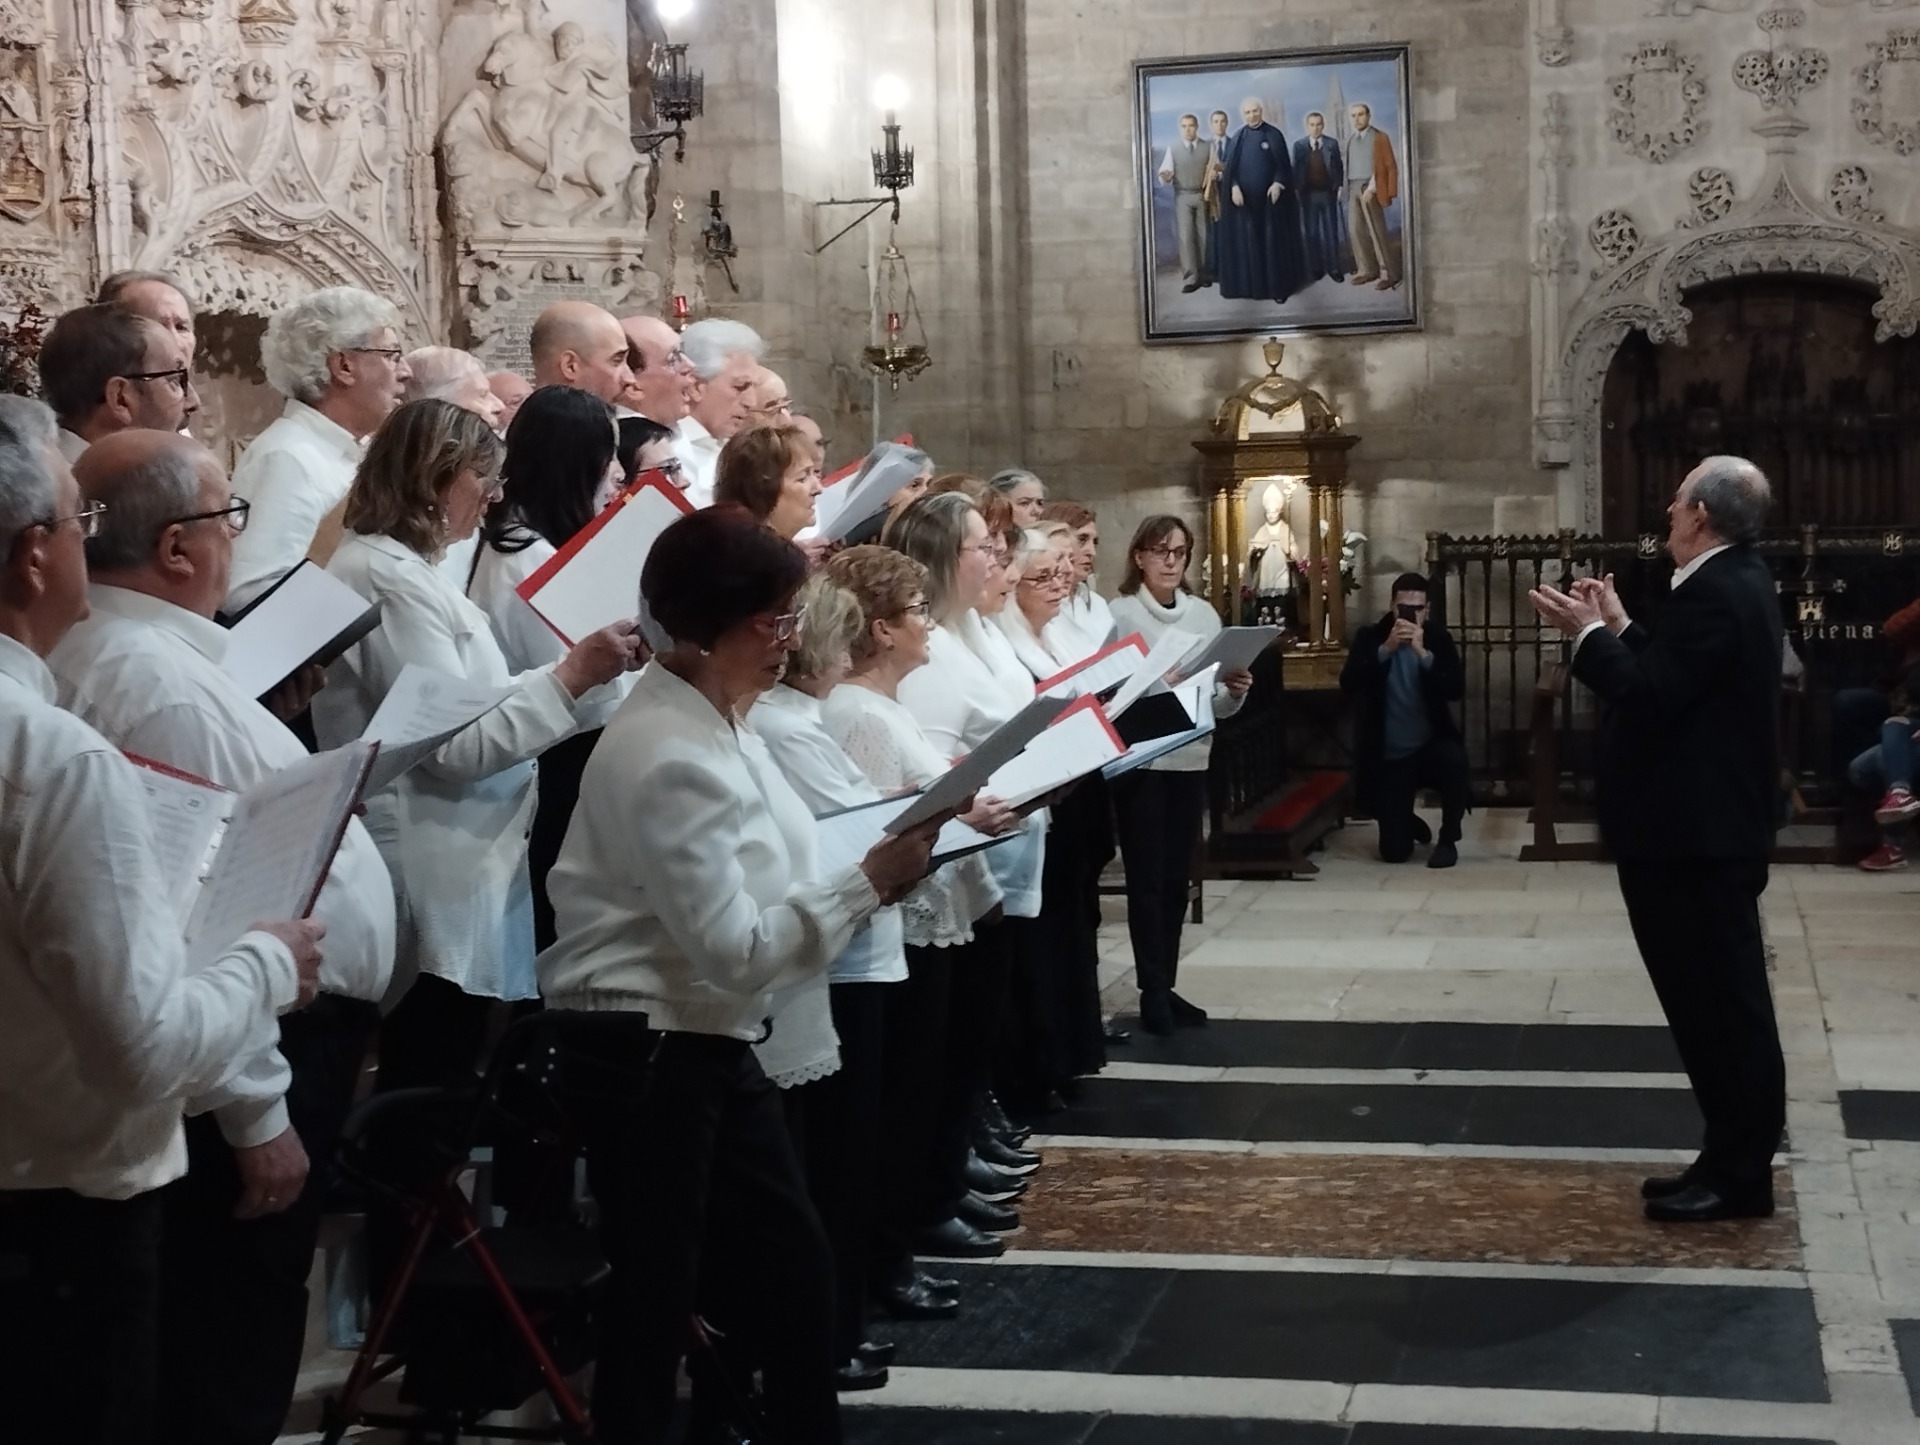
145 669
1160 807
687 892
335 355
1085 623
905 469
724 357
1046 579
156 295
575 343
1026 491
106 368
104 1030
450 374
560 471
453 829
773 472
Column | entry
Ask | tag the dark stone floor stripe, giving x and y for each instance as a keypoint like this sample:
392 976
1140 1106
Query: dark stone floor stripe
1519 1115
883 1425
1753 1343
1302 1044
1906 1339
1881 1113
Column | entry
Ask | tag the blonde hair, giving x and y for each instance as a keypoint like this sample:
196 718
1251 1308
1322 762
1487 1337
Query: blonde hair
411 461
833 622
881 582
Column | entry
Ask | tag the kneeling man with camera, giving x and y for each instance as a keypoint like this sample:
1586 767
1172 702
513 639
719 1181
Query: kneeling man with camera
1402 673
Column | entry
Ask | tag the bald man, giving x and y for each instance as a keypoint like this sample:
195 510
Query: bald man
509 388
772 405
662 380
449 374
576 343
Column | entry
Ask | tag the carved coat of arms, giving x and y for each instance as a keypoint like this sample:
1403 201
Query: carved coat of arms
1889 112
1656 102
26 111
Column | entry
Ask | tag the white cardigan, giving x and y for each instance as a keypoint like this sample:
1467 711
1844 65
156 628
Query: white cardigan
1138 612
971 683
454 829
686 888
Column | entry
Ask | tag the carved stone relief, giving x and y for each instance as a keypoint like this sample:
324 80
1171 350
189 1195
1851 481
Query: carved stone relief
1615 236
1710 190
1850 193
1782 73
28 177
1656 101
1888 113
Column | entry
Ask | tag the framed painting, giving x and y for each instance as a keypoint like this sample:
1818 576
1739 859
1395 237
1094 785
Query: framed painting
1277 193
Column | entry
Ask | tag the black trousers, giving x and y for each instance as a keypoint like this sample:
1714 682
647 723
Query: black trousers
705 1171
79 1316
1079 845
976 1008
1697 923
1159 815
560 768
842 1115
233 1305
1024 1069
912 1072
1441 764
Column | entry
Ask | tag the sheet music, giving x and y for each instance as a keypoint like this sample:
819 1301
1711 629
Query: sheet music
1081 742
845 837
278 845
188 816
969 775
600 584
310 615
1161 659
421 711
1233 649
1196 696
1113 663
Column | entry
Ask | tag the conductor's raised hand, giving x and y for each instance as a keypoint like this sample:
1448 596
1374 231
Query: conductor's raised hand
895 864
1566 613
1600 592
302 937
600 657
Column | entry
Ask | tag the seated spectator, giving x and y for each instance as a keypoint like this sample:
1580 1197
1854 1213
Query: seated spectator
145 669
774 473
1402 672
103 1028
335 354
105 368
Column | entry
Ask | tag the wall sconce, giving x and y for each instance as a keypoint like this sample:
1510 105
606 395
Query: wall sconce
899 348
679 95
892 163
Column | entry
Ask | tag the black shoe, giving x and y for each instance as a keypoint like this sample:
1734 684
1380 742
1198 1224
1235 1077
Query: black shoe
937 1283
857 1374
1422 834
956 1239
1186 1015
1156 1012
1190 286
988 1217
872 1352
1003 1156
994 1118
990 1183
916 1301
1661 1186
1699 1203
1444 855
1118 1036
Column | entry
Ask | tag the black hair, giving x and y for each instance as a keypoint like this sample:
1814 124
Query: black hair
559 446
637 433
1409 582
715 568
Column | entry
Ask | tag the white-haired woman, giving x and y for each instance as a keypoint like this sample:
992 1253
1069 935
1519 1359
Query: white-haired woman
336 356
1024 490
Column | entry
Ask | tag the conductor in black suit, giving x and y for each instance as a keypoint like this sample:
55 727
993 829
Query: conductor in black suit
1688 784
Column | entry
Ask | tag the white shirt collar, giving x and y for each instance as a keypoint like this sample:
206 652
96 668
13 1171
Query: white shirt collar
24 666
791 699
694 434
325 429
202 634
1681 574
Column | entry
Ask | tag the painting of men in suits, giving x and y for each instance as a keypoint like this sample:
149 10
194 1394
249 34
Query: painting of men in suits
1318 169
1303 218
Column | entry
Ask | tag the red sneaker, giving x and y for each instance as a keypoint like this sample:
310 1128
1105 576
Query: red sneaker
1887 858
1899 806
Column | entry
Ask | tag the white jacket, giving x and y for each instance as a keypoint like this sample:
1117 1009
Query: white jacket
686 888
454 829
102 1030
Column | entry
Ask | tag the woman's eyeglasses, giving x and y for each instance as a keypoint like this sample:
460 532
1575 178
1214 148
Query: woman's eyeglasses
786 625
1167 553
922 609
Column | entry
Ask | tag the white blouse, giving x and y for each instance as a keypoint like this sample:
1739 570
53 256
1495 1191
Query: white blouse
1083 626
1041 653
454 829
886 741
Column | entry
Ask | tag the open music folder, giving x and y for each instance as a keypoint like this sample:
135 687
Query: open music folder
594 581
422 710
1080 741
232 860
1098 671
309 615
843 503
846 834
969 774
1194 699
1233 649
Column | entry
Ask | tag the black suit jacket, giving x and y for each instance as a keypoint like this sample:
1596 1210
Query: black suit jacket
1689 763
1364 679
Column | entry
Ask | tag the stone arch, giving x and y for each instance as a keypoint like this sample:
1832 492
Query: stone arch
1779 234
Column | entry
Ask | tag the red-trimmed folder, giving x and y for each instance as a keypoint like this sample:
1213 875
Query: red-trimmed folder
1100 670
594 581
830 508
1080 741
231 860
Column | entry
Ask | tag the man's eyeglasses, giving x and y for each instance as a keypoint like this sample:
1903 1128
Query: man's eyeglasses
179 378
392 353
88 519
786 624
235 514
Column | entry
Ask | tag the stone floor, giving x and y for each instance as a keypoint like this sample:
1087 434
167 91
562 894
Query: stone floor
1388 1198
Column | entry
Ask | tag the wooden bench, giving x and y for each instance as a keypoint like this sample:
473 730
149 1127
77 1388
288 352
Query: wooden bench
1272 839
